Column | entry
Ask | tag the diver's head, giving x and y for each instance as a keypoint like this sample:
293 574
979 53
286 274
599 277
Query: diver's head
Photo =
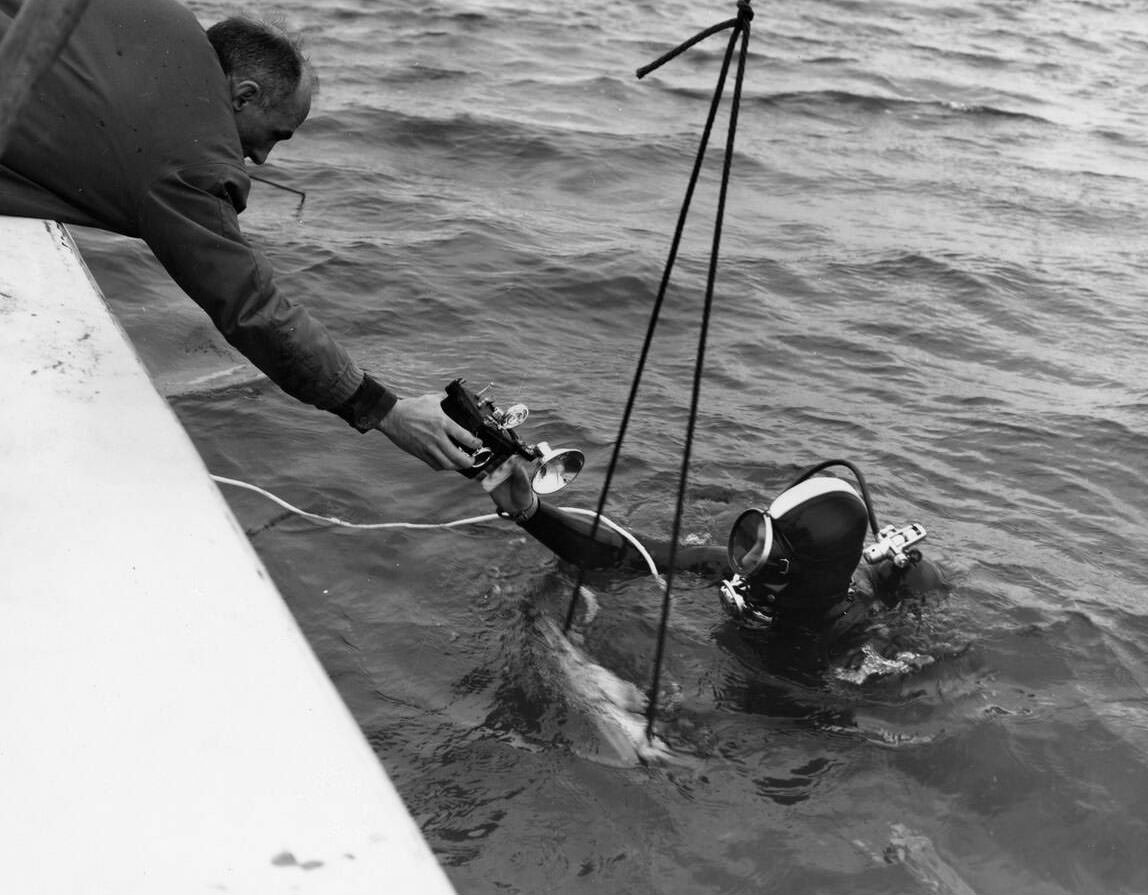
799 554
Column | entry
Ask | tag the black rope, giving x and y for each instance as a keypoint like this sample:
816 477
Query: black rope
282 186
663 626
741 28
678 50
740 22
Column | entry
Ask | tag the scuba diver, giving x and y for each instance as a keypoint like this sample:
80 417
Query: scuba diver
796 576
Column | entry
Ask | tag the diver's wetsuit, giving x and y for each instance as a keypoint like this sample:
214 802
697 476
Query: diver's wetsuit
840 622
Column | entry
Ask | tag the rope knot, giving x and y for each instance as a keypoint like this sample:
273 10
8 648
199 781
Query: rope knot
744 12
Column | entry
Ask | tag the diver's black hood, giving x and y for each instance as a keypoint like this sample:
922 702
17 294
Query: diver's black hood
818 534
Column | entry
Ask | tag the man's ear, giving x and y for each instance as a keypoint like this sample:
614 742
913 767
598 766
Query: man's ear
244 92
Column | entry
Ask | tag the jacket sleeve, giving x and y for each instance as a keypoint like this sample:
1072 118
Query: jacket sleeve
189 220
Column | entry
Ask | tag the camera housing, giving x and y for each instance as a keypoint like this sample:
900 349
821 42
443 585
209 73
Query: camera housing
896 544
495 428
482 419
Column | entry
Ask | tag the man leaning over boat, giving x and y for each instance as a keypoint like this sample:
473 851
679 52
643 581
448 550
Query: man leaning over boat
142 127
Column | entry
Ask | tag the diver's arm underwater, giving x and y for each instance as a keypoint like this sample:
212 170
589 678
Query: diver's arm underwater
568 535
612 705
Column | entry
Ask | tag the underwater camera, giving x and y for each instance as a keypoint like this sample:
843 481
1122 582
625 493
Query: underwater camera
495 427
896 544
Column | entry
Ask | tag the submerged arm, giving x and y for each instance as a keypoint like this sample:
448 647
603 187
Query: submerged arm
574 538
568 536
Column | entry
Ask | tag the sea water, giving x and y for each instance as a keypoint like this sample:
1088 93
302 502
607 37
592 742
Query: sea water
933 265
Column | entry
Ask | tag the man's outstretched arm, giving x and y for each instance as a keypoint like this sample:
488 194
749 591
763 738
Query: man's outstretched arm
191 225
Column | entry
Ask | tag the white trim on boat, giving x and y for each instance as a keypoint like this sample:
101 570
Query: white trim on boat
164 725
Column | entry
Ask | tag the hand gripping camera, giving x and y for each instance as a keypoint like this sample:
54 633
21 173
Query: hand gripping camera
495 427
896 544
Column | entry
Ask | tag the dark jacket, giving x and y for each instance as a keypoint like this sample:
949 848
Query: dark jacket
132 131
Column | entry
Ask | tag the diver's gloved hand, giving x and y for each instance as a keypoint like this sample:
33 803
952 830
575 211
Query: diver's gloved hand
510 489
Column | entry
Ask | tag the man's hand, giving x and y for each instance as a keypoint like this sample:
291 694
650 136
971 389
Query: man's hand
421 428
509 486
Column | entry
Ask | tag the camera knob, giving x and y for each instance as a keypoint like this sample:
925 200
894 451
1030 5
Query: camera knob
514 415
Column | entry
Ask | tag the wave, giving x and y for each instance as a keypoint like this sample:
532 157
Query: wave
808 100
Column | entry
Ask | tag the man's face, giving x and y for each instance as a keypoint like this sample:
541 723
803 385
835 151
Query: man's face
260 127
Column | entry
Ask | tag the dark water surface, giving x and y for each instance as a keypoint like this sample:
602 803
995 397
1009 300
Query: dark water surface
934 265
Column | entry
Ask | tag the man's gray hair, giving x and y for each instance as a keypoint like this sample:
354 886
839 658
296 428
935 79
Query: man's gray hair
263 52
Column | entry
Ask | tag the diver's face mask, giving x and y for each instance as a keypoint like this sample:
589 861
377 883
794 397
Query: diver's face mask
801 553
760 566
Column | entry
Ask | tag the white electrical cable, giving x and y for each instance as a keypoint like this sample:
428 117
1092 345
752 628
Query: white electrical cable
489 517
629 537
361 525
